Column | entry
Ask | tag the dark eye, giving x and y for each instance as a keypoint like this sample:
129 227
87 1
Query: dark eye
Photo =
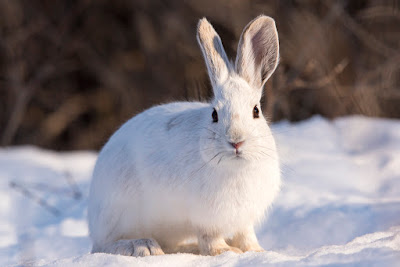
215 116
256 112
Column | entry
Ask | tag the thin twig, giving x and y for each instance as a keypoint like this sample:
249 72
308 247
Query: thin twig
74 186
368 39
41 201
324 81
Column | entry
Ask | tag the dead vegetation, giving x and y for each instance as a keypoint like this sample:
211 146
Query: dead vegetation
71 72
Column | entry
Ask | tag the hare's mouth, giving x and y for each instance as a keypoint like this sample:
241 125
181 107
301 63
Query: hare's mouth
238 155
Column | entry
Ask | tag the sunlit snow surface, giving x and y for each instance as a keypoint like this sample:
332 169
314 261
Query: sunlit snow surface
340 203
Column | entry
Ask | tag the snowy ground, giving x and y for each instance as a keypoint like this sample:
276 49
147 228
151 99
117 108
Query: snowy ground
340 204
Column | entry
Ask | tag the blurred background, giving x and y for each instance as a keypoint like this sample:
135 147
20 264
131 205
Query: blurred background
71 72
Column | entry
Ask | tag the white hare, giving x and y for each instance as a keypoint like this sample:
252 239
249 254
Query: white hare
190 170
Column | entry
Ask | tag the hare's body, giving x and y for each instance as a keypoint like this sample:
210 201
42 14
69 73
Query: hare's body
193 170
166 191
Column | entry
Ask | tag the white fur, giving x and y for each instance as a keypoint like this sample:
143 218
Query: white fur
170 174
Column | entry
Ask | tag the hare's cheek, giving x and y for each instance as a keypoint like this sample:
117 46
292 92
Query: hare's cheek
206 148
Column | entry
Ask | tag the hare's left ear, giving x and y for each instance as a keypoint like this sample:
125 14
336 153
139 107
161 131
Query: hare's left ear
258 51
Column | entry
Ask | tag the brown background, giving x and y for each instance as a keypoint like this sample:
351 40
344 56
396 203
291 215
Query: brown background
71 72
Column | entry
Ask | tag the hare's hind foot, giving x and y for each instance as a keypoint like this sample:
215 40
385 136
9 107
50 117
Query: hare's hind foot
134 247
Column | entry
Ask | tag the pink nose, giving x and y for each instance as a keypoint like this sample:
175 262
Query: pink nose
237 145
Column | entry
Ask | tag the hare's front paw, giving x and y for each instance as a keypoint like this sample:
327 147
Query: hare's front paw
254 248
246 240
135 247
214 244
219 250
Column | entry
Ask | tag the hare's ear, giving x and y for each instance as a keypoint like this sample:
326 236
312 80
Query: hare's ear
214 54
258 51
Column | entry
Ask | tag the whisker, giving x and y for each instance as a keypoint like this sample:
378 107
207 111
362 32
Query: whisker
260 146
193 173
214 132
219 161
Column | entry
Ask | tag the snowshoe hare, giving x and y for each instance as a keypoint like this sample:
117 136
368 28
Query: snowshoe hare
189 170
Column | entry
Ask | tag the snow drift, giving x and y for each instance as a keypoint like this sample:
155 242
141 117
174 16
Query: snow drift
340 203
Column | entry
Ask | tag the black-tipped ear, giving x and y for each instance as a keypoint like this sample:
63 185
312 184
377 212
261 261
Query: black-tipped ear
217 62
258 51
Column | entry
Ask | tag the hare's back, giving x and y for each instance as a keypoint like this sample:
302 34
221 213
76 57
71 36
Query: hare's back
169 116
160 122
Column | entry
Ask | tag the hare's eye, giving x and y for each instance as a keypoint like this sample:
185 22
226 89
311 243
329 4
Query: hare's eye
256 112
215 116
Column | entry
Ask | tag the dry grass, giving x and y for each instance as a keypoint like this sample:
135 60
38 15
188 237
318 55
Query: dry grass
72 71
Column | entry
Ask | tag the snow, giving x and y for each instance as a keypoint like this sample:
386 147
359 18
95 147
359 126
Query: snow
339 206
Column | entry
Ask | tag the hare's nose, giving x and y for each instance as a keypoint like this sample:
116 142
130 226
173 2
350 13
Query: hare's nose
237 145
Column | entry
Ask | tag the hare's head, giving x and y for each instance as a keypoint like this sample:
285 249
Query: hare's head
237 127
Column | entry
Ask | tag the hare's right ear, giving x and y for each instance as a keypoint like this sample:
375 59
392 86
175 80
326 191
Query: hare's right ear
258 51
217 62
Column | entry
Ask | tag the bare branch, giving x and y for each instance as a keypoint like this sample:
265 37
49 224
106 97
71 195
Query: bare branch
41 201
369 40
